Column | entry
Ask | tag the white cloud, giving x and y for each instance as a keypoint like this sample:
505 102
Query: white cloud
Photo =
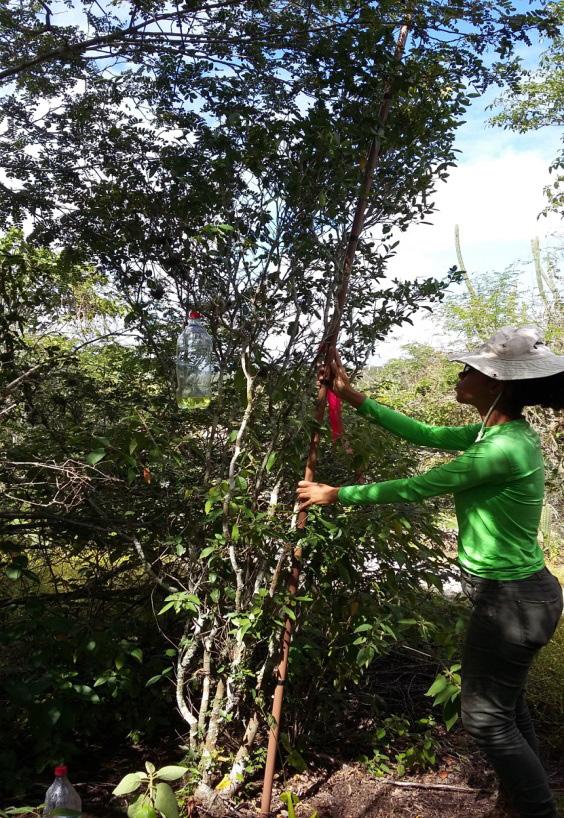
495 195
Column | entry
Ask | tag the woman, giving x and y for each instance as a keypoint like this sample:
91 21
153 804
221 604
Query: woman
498 487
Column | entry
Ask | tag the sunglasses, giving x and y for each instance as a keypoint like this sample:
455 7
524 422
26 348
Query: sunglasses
465 371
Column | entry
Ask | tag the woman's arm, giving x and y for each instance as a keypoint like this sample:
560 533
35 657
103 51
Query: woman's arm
449 438
486 463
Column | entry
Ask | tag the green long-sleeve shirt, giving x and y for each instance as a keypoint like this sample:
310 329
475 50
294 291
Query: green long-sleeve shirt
498 488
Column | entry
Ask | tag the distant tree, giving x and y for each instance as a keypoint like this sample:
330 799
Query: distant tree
537 101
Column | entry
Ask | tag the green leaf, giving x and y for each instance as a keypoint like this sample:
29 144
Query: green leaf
165 801
290 799
450 713
364 627
171 773
450 692
137 653
94 457
270 461
54 714
235 533
205 552
365 655
451 721
142 808
438 685
128 783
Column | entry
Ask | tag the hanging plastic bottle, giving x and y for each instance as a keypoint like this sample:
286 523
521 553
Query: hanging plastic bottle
194 364
62 795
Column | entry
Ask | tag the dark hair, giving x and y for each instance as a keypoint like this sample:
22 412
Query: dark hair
546 392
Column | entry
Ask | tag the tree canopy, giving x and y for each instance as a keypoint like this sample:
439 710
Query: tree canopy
157 156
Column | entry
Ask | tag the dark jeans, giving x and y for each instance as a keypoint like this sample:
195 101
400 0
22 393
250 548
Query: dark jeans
511 620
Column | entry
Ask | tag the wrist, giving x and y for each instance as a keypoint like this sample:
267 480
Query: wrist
353 397
334 495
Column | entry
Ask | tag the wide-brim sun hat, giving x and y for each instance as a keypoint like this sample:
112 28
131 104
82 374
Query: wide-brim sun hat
513 354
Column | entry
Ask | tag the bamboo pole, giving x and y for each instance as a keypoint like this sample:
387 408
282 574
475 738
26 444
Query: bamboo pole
327 351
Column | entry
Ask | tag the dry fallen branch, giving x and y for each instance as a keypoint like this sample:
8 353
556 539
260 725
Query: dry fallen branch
428 786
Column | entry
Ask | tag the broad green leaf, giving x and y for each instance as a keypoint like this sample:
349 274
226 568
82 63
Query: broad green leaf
290 799
450 713
171 773
450 692
128 783
451 721
365 655
94 457
142 808
165 801
438 685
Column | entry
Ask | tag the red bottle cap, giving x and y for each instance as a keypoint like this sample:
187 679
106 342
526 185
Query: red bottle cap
194 314
61 770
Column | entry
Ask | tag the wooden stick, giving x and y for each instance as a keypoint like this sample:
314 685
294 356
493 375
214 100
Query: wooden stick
327 351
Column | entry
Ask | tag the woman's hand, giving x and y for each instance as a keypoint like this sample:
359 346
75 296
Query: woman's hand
315 494
336 379
340 383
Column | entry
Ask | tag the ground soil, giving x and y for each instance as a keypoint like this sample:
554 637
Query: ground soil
461 787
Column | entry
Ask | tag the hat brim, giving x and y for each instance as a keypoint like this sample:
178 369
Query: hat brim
541 366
